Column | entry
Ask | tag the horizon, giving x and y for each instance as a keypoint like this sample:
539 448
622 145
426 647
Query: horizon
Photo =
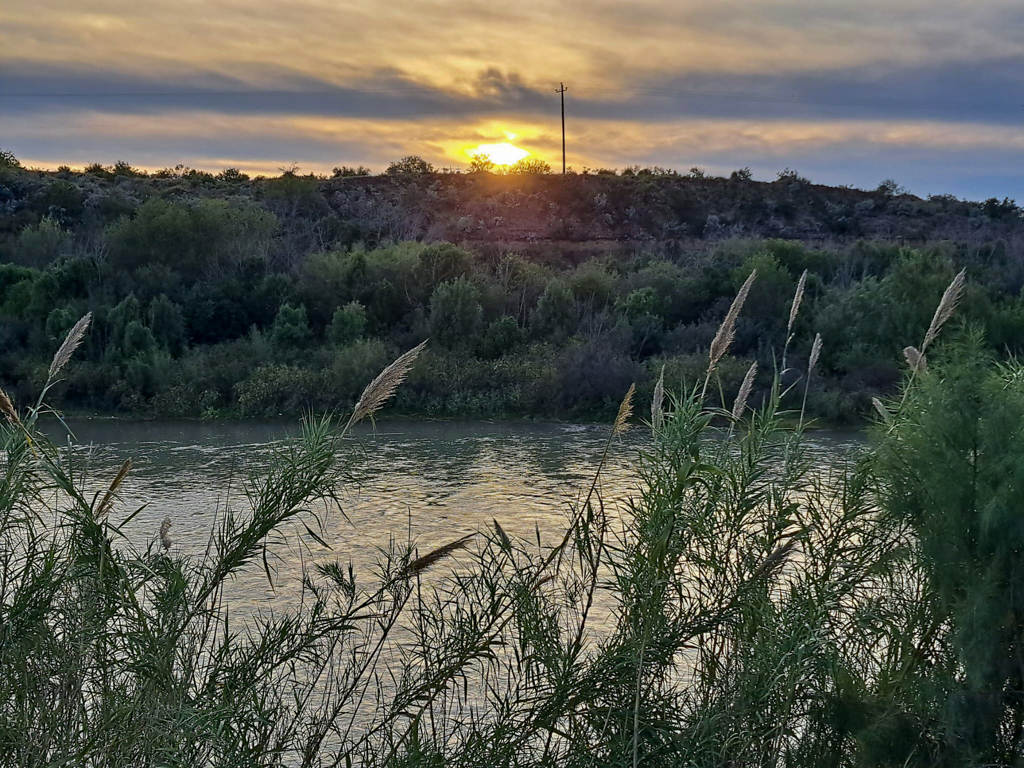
257 174
928 93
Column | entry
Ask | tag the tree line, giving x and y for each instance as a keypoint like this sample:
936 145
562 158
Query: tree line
251 305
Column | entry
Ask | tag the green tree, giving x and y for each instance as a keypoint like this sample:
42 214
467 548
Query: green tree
290 330
59 322
952 464
639 303
442 262
167 321
556 314
348 324
766 310
455 313
127 311
138 340
42 244
592 285
191 238
501 337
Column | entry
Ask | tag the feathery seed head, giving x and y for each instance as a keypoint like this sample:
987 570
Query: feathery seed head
71 343
7 409
946 308
657 402
815 354
625 411
108 498
421 564
381 389
727 331
744 393
797 298
918 362
165 534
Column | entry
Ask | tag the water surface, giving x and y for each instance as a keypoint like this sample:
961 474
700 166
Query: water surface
428 481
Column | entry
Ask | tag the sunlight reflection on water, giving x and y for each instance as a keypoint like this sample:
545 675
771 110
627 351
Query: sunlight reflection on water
431 481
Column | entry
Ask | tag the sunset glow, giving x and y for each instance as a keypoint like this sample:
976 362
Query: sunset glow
500 154
675 85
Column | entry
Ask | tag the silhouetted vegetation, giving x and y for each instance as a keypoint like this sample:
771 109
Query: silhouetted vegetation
221 295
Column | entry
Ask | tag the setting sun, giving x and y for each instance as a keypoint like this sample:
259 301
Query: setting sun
499 154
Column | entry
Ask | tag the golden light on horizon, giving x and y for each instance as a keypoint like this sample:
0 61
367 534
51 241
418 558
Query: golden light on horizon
504 153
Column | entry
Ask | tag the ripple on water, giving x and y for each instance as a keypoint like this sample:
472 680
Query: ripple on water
433 481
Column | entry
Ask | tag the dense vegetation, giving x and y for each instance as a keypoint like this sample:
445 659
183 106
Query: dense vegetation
759 613
230 296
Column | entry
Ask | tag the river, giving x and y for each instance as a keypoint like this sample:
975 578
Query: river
431 481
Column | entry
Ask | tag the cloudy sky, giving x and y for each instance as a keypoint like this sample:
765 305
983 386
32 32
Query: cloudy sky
928 92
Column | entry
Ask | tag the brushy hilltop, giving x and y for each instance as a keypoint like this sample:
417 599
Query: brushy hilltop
634 205
543 295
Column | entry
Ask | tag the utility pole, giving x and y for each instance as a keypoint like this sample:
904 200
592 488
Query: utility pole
562 89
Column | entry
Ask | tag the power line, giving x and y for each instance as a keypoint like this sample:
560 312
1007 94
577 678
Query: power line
561 90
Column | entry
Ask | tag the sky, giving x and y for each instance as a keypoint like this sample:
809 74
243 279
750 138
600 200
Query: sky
927 92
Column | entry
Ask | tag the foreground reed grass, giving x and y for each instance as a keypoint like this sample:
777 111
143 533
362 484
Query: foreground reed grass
753 612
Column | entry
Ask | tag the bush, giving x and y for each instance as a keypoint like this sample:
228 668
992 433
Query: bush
529 166
455 313
412 165
347 324
290 331
43 244
276 390
556 315
346 172
501 337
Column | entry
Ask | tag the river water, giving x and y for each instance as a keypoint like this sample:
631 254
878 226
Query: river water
428 481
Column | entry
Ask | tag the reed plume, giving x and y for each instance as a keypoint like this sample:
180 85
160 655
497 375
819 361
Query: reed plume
882 410
382 388
108 498
812 362
71 343
165 534
793 311
7 409
797 298
506 542
915 359
815 354
773 560
744 393
946 308
727 331
625 411
421 564
658 402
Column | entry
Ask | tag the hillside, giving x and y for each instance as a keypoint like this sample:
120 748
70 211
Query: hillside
543 296
529 208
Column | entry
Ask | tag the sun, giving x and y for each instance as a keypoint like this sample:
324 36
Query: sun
499 154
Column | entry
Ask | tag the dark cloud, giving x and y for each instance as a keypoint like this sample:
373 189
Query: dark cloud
990 92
